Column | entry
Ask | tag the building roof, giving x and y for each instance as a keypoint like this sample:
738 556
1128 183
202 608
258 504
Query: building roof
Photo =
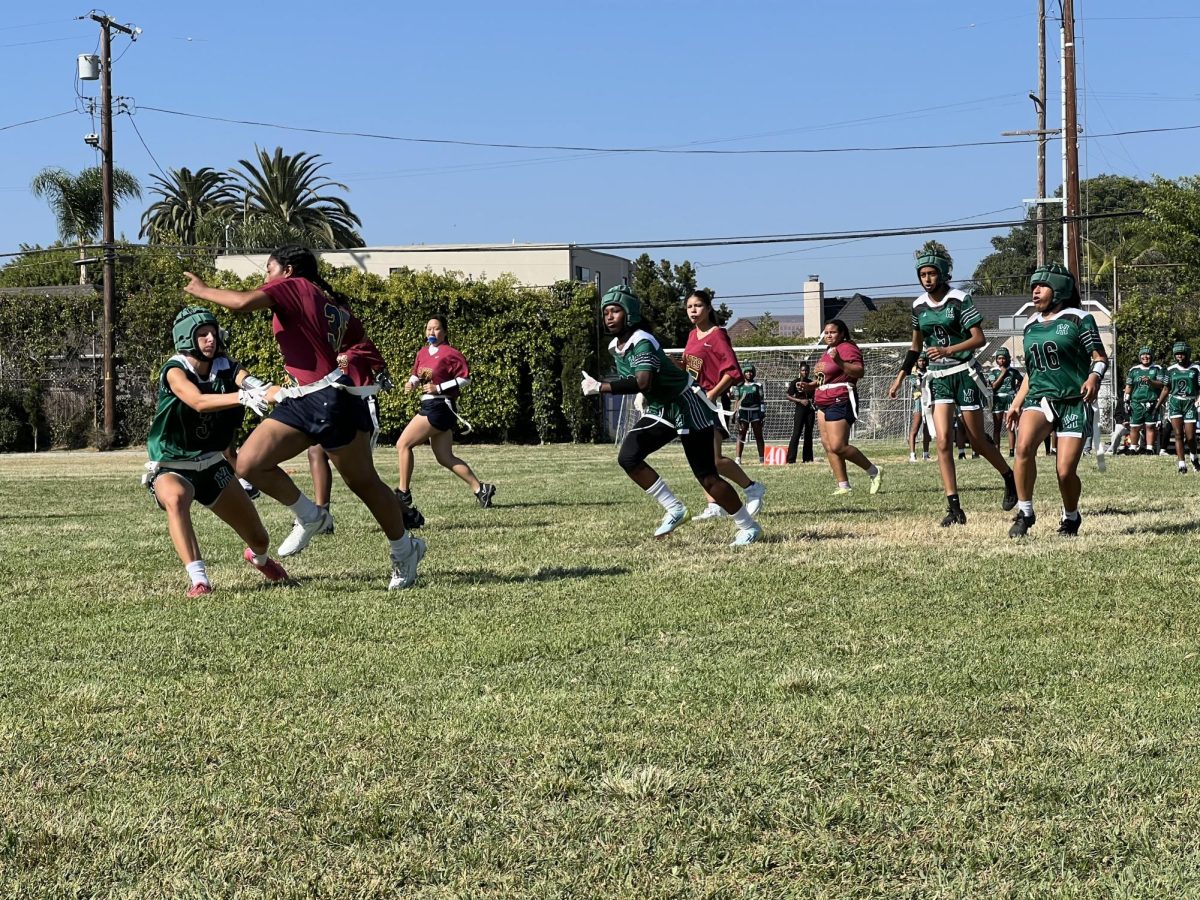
789 326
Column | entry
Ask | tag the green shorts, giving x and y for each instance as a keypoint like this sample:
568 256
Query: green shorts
207 483
1002 402
959 389
1181 408
1141 412
1070 418
688 412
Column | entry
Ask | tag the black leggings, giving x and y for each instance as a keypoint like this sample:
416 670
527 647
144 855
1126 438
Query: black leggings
650 435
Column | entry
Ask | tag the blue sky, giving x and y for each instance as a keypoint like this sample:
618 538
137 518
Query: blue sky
727 75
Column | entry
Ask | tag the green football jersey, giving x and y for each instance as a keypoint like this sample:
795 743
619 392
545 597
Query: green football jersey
1141 377
642 353
1058 353
1006 383
750 395
946 323
180 432
1183 382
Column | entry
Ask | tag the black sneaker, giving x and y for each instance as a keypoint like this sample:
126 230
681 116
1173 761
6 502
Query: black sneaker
1010 493
485 494
962 454
1196 463
1070 527
954 517
1021 525
405 497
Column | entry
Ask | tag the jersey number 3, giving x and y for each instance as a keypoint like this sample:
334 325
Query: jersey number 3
337 320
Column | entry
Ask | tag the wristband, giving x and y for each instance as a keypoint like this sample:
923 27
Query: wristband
252 382
910 360
624 386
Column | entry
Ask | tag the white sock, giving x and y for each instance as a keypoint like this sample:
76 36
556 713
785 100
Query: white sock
401 545
197 573
660 492
305 510
843 484
260 559
1072 515
1025 507
743 519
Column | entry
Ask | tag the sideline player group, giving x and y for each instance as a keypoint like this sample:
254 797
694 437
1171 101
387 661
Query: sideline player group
335 370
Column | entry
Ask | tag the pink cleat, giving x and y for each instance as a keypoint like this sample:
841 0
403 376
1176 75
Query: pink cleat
199 590
271 570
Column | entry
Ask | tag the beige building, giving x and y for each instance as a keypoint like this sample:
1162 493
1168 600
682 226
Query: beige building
534 265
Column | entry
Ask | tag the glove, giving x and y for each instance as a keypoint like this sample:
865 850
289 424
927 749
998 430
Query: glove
589 385
254 399
384 380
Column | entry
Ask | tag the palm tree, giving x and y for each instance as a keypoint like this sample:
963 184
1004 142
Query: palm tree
189 201
287 188
78 205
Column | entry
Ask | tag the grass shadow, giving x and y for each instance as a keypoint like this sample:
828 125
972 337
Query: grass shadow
1175 528
540 503
548 573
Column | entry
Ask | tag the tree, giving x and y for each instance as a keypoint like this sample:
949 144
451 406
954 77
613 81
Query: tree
280 195
765 333
77 202
890 322
1007 270
663 289
189 202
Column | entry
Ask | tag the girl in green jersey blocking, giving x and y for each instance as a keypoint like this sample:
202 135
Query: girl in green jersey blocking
1065 363
201 393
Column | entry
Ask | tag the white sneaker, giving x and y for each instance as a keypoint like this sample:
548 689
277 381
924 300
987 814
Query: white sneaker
738 460
754 497
404 567
672 520
302 533
746 536
712 511
912 457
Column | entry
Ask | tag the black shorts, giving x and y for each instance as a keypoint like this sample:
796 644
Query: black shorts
651 435
839 412
746 416
206 483
329 417
440 413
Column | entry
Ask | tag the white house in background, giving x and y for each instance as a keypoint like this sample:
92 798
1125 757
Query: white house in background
533 265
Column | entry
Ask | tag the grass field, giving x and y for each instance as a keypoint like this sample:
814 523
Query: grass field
860 705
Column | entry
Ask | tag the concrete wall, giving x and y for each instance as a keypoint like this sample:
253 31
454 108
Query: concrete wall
530 265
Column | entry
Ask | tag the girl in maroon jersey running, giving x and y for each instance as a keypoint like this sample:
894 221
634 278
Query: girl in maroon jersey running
440 372
838 370
710 359
311 324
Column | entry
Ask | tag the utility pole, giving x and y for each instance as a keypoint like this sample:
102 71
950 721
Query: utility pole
1071 256
1042 132
108 326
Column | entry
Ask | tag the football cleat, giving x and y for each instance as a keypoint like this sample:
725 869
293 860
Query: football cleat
485 494
199 590
746 536
840 490
1010 493
404 565
302 533
672 520
912 457
1021 525
754 497
712 511
877 480
271 570
954 517
1070 527
328 527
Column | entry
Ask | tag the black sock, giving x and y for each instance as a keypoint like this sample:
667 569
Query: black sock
952 501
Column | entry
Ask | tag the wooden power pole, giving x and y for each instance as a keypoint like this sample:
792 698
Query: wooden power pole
1071 209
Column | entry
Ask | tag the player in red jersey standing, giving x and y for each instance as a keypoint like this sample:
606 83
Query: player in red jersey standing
311 325
441 373
710 359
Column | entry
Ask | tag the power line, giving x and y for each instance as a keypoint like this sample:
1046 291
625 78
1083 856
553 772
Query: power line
32 121
149 153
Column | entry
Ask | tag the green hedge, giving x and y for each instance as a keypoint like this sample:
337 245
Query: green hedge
525 346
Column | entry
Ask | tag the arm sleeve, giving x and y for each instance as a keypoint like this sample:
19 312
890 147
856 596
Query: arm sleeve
643 358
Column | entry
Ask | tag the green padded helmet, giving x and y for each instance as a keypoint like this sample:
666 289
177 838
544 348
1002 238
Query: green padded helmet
939 262
623 297
183 332
923 357
1146 351
1058 277
1003 354
1181 347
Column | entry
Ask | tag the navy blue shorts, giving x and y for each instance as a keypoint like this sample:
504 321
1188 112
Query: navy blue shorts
746 416
439 413
329 417
839 412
